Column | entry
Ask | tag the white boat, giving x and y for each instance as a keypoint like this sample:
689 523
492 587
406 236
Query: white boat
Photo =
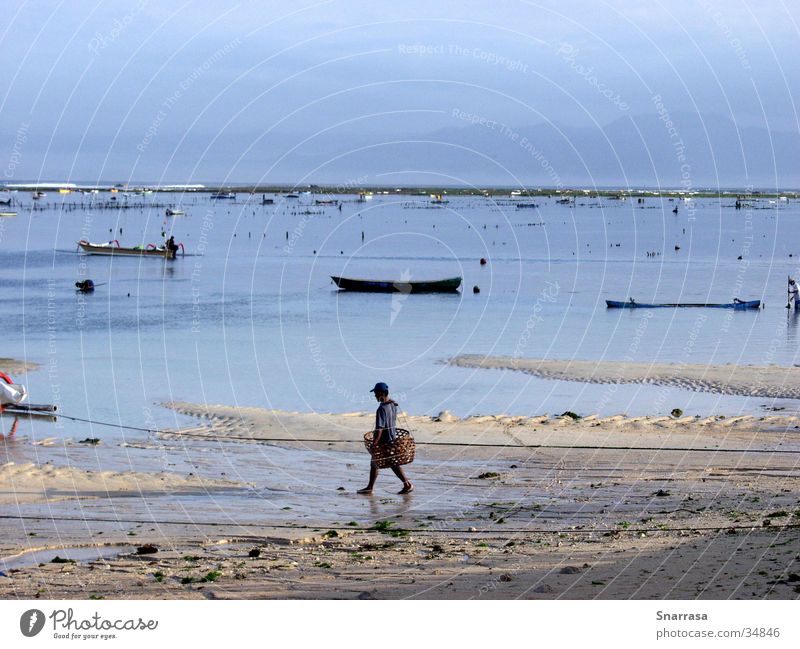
11 394
113 249
174 212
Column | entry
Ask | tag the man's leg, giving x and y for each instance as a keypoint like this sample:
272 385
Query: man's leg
407 486
373 476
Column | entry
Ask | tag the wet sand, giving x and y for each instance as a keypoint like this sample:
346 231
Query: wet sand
12 366
617 520
769 381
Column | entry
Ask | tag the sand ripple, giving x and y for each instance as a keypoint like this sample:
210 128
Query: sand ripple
768 381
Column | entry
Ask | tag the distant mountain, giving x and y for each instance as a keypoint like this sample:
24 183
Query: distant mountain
635 151
630 151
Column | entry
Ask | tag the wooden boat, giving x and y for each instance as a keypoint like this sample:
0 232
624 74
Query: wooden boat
391 286
267 201
110 249
526 206
739 305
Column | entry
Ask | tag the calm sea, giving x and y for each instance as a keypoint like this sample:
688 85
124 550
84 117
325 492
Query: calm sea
250 315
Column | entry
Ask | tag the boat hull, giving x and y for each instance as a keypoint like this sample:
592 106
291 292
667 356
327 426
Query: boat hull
111 251
738 306
388 286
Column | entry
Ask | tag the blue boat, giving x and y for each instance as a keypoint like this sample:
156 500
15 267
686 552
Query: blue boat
739 305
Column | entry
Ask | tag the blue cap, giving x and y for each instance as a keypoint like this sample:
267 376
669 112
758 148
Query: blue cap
380 387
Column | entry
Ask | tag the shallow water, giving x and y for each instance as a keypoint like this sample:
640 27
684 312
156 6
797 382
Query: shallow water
93 553
251 317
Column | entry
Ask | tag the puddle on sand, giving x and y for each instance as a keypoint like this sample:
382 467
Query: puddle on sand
92 553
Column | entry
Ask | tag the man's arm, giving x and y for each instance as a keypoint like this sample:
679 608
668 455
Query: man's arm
380 426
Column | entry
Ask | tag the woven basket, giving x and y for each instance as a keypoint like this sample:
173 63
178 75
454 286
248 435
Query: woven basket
400 451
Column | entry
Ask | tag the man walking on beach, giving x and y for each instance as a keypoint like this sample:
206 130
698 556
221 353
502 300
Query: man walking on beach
385 433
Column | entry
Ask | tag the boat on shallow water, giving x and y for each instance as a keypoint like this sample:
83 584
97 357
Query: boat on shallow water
113 248
739 305
397 286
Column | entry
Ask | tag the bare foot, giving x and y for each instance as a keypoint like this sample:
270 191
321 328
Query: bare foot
366 490
407 489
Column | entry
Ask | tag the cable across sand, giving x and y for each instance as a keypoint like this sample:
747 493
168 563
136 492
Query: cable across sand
768 381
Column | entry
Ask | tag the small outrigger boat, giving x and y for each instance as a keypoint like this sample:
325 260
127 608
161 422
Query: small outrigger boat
739 305
112 248
391 286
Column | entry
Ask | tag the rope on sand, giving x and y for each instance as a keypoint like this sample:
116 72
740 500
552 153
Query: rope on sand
577 447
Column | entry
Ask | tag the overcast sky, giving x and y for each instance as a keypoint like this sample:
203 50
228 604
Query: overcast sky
250 91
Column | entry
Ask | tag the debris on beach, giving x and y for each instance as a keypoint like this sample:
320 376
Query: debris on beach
147 548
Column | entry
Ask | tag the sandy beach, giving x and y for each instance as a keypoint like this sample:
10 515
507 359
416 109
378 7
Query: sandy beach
770 381
504 507
13 366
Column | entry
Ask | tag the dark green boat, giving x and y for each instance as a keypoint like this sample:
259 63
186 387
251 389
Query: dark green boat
397 286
